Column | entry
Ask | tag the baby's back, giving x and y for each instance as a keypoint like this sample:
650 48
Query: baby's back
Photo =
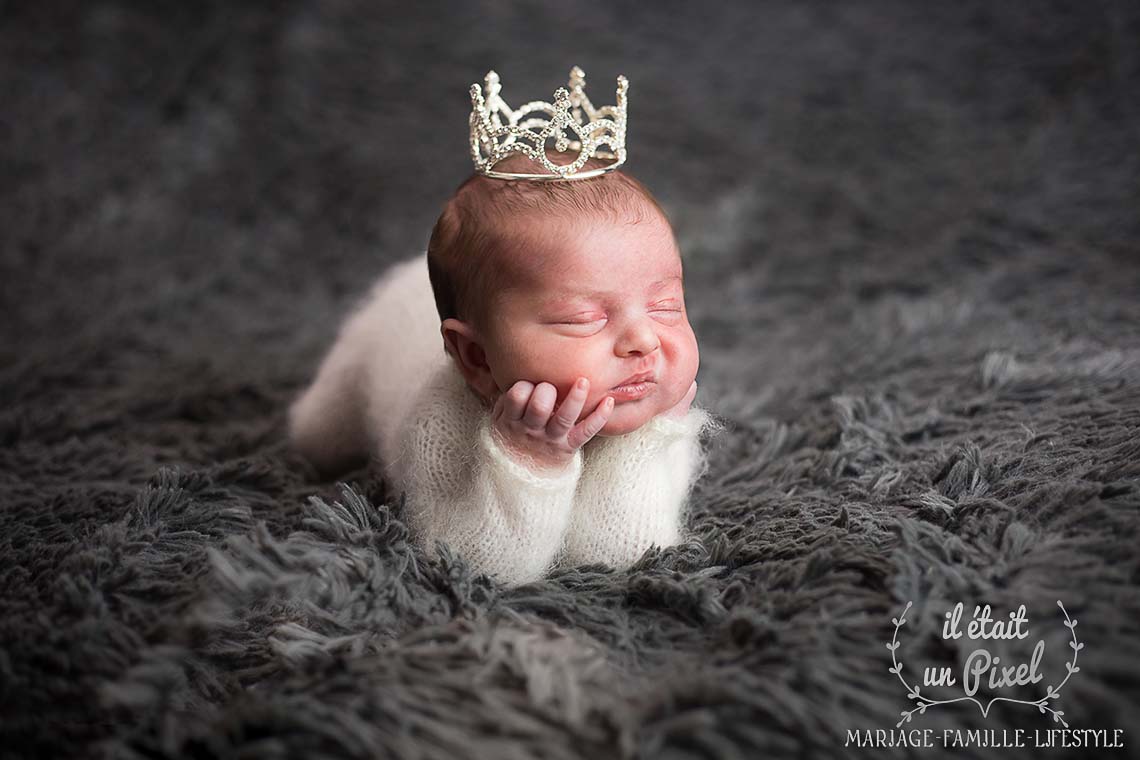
387 348
400 326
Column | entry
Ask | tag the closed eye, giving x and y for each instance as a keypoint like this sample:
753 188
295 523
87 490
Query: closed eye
581 321
668 313
582 328
582 318
584 325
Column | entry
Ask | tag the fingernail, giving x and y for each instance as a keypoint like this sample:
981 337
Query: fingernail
581 384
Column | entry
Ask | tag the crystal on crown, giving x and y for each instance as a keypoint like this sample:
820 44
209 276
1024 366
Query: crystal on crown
498 131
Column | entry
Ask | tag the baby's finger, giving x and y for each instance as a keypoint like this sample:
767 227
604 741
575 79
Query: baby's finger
567 414
540 406
589 427
514 400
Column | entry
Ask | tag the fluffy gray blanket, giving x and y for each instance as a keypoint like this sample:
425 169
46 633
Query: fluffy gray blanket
910 234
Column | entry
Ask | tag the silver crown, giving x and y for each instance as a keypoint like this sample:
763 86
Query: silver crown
497 131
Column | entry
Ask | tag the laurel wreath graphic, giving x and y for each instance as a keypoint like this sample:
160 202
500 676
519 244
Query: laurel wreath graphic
922 702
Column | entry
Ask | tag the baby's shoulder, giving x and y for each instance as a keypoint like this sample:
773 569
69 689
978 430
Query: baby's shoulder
445 410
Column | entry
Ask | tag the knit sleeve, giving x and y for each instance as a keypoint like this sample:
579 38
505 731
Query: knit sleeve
633 491
506 520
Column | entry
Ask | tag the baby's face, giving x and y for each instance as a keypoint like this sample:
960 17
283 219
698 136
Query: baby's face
607 304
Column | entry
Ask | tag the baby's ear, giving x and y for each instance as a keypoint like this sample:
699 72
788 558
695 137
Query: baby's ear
465 347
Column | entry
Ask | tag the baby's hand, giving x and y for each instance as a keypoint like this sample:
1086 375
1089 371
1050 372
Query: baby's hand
524 422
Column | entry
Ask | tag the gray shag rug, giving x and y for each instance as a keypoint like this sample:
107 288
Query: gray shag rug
911 240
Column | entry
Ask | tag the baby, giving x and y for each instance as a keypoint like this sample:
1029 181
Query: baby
556 426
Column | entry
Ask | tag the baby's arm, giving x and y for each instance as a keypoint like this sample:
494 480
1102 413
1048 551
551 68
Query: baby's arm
507 513
633 491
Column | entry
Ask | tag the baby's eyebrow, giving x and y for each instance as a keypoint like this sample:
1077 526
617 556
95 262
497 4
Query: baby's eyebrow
564 297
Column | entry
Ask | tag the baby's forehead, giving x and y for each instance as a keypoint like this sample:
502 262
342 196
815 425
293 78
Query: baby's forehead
528 238
554 271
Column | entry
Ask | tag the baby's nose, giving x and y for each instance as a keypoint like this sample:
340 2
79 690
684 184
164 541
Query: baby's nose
639 339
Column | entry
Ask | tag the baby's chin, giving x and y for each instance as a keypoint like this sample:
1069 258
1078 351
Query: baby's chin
628 417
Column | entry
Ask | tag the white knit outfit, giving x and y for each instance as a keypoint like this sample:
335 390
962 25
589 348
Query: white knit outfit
387 384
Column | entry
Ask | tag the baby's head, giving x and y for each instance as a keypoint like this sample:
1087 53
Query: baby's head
551 281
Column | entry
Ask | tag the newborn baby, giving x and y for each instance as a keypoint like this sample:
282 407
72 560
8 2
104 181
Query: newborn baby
555 427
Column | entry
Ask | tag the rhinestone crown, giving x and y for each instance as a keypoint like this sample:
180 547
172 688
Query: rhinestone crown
498 131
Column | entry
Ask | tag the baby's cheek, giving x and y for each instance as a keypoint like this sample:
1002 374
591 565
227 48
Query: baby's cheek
563 377
686 363
594 395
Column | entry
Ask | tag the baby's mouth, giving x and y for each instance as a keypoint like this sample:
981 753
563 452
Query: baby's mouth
632 391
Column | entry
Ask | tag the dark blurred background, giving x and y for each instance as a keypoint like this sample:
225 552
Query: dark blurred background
188 183
907 227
